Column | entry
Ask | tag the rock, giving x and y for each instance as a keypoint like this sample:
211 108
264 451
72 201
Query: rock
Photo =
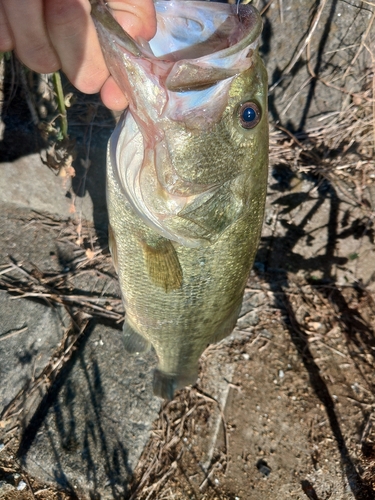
263 468
296 99
97 421
250 319
21 486
25 180
217 377
85 432
28 183
5 489
29 333
266 334
251 300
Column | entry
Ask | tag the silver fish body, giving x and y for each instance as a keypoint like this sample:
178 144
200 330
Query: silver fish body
186 177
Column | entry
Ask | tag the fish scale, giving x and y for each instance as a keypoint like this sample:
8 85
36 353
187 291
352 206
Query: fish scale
186 190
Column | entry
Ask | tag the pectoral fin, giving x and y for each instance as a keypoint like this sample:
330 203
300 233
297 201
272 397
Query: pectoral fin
162 264
134 343
210 214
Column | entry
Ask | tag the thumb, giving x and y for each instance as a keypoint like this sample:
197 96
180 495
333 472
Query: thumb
137 19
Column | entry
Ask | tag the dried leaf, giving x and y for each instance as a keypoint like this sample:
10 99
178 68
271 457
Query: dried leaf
90 254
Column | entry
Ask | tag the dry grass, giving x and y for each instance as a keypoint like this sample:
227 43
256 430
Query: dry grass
169 449
342 149
55 288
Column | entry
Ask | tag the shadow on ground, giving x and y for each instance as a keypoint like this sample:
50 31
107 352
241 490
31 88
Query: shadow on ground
85 431
277 260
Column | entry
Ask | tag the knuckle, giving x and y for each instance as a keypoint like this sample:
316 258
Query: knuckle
39 57
6 42
66 13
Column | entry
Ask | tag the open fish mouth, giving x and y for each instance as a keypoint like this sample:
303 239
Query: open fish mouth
195 37
181 78
207 44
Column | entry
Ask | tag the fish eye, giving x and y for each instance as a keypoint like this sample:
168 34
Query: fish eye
249 114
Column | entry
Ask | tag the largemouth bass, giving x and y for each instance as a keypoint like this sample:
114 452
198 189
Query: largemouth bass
186 177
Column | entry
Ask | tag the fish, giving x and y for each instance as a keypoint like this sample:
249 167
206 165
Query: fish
186 177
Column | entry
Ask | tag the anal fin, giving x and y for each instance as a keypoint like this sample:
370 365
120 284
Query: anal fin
134 343
162 264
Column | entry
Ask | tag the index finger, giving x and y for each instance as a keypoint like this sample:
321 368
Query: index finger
74 38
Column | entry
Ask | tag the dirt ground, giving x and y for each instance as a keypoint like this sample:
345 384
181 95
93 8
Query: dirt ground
299 420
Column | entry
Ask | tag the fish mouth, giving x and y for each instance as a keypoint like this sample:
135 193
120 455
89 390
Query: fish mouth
194 29
207 42
196 44
181 78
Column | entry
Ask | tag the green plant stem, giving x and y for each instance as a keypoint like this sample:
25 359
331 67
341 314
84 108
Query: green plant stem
61 103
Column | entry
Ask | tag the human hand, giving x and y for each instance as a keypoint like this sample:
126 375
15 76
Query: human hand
48 35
